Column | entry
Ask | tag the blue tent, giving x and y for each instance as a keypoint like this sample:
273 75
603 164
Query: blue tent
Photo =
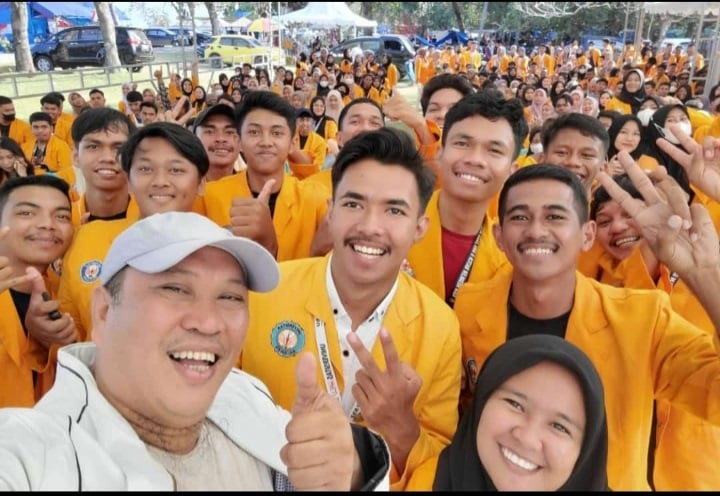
453 37
39 13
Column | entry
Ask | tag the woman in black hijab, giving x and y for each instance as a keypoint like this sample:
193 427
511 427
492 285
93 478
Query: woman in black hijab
460 467
658 128
632 94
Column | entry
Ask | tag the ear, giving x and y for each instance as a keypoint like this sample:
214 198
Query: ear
99 307
201 186
589 229
422 227
75 155
497 234
294 143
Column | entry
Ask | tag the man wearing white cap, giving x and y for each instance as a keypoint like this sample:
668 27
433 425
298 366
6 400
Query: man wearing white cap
154 402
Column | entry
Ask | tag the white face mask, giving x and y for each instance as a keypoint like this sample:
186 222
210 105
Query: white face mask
536 148
684 126
323 84
349 81
644 115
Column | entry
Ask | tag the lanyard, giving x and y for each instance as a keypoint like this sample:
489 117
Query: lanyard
465 272
350 406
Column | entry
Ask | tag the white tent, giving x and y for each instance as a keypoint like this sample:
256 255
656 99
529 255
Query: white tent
685 8
327 14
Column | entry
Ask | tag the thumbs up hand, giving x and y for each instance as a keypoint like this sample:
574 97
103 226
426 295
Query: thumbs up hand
320 453
251 218
43 321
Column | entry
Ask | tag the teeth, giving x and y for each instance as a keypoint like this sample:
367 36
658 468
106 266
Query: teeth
200 356
516 460
107 172
368 251
538 251
627 240
469 177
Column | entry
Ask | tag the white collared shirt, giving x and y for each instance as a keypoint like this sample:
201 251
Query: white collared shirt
367 333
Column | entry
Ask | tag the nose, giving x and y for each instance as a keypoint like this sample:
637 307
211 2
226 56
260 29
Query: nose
160 178
370 224
536 228
618 225
528 433
202 315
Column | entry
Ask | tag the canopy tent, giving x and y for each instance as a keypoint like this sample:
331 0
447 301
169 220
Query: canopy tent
263 25
328 15
687 8
453 37
701 10
241 23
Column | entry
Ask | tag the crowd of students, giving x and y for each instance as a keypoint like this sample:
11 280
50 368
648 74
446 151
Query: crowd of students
430 270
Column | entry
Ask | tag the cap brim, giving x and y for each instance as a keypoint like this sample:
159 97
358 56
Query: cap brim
260 267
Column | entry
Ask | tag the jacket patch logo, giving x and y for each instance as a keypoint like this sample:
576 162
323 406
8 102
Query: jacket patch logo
90 271
287 338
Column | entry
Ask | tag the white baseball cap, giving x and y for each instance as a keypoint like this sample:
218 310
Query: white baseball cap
160 241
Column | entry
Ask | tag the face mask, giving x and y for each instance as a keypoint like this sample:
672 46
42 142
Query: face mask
9 117
644 115
684 126
536 148
349 80
323 84
219 92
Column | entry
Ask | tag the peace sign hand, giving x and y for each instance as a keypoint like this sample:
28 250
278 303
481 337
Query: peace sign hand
682 237
386 397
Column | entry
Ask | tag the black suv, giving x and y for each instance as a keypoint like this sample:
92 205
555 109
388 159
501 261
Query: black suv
397 46
83 45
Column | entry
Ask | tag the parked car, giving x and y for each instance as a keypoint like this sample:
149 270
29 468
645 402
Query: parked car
237 49
398 46
201 37
84 45
161 37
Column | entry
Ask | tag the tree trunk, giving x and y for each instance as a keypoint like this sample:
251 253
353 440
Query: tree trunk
191 7
457 10
214 22
107 27
19 20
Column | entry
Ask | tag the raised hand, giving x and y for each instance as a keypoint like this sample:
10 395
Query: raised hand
320 453
251 218
701 162
386 397
682 237
43 321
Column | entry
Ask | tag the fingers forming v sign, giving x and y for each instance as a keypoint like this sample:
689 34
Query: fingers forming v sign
385 398
681 237
701 162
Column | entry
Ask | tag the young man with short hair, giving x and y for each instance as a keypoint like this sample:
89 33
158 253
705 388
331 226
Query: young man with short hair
263 202
642 348
10 125
387 347
165 164
35 231
46 151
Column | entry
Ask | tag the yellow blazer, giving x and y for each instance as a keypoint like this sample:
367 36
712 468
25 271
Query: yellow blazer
643 350
299 210
426 261
424 331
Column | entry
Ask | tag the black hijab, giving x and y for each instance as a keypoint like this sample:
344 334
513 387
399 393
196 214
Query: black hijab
654 131
633 99
459 467
617 124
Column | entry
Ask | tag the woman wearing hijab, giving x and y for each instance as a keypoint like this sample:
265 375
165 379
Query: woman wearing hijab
658 128
535 389
626 133
591 106
534 112
632 94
